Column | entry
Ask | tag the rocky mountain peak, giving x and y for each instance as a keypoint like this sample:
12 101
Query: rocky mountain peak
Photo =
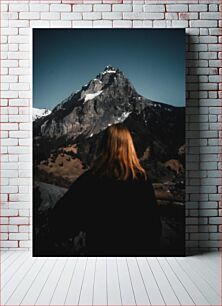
107 99
110 68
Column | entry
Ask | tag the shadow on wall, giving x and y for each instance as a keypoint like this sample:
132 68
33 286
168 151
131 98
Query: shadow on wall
193 143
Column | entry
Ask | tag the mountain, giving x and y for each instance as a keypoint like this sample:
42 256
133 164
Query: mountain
39 112
69 137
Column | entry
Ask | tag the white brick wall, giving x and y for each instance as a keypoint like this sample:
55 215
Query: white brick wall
203 115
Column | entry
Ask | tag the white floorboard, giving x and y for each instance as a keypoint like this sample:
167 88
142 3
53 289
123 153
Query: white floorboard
113 285
100 283
75 286
193 280
86 294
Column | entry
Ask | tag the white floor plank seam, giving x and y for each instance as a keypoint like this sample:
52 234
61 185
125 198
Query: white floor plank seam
186 281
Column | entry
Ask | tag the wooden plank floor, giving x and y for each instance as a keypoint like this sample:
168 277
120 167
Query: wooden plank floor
193 280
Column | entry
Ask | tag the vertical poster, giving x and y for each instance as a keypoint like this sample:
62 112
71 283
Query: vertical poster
85 81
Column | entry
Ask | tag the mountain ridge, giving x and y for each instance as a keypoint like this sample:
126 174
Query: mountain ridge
109 87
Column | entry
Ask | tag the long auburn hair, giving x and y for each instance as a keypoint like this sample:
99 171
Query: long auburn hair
118 156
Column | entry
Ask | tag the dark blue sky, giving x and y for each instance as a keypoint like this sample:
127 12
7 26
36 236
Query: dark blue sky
66 59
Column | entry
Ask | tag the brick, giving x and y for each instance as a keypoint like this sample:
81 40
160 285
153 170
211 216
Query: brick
60 24
82 8
187 16
18 7
19 86
71 16
39 23
213 7
192 228
203 23
137 7
39 7
171 16
208 86
216 31
197 7
4 181
9 126
18 236
215 78
9 212
18 23
19 118
208 205
3 220
162 23
122 23
9 142
25 244
51 16
9 63
9 31
9 173
112 15
203 220
13 47
135 15
20 182
199 236
208 15
12 158
215 220
180 23
24 229
214 110
138 23
24 157
208 39
4 7
154 8
18 55
25 31
93 15
9 94
25 94
18 220
102 24
26 47
191 220
8 244
208 228
60 7
8 228
215 236
147 23
18 149
122 7
177 8
19 71
215 63
29 15
4 236
24 212
19 102
102 7
208 212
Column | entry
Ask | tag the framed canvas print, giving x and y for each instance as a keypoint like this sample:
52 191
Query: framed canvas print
108 142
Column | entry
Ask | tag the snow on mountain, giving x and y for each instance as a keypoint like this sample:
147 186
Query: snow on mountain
92 96
123 117
109 69
39 112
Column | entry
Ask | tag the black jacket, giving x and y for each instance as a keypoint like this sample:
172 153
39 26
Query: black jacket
120 218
